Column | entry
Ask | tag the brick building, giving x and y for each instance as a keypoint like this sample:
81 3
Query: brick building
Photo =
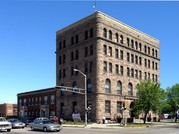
38 103
8 110
113 56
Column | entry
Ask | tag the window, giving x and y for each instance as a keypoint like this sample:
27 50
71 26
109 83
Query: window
62 109
128 71
105 49
132 58
136 73
91 66
107 86
145 62
91 32
62 93
91 49
136 45
107 107
86 67
117 69
72 57
140 74
145 75
153 78
105 66
72 40
145 49
60 60
52 99
119 88
140 61
121 39
76 54
156 65
117 37
75 108
121 54
136 59
60 45
130 89
64 43
137 92
110 67
110 34
64 73
119 105
140 47
148 63
128 57
76 39
86 35
89 86
105 33
116 54
132 72
60 74
86 51
45 100
149 50
156 53
156 78
128 42
110 51
72 71
132 43
148 75
152 52
121 70
64 58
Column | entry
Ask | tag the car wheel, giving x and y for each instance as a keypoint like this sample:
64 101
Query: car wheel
8 130
32 128
45 129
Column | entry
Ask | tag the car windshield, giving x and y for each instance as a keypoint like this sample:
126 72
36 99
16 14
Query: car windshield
2 119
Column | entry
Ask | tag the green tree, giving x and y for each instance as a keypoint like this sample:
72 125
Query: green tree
173 99
150 96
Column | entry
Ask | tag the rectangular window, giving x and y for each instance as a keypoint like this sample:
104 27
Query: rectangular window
72 57
86 51
91 49
64 43
140 61
105 49
117 69
60 45
75 108
148 63
140 74
52 99
145 62
60 74
121 55
110 51
76 54
62 110
86 67
60 60
105 66
45 100
121 70
107 107
132 58
116 54
136 73
119 107
72 71
156 65
76 39
91 66
145 75
110 67
64 58
132 72
64 73
136 59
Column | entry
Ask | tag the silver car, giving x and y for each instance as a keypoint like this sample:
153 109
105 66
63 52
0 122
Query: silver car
45 125
16 123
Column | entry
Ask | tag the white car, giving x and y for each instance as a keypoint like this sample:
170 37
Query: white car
5 125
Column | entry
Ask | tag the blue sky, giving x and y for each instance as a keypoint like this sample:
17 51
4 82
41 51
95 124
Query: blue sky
28 37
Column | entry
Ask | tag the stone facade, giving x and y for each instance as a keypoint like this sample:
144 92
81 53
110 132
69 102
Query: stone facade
113 56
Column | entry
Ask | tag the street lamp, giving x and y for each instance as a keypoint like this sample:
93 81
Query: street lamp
76 70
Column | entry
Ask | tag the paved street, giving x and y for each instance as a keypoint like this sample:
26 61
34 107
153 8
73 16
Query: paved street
70 130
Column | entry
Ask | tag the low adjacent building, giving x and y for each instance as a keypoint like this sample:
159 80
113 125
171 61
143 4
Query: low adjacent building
8 110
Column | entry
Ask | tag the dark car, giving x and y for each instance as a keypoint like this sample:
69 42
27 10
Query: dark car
26 120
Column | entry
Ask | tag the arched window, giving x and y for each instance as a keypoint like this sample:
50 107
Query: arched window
119 88
128 42
130 89
107 86
152 52
117 37
89 86
140 47
121 39
105 33
149 50
74 87
156 53
132 43
136 45
110 34
145 49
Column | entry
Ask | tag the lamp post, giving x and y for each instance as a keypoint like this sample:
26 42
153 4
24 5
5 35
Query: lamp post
76 70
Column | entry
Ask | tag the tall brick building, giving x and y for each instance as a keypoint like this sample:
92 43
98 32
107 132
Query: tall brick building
113 56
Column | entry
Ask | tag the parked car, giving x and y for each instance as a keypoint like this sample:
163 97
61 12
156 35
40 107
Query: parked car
5 125
45 125
26 120
16 123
